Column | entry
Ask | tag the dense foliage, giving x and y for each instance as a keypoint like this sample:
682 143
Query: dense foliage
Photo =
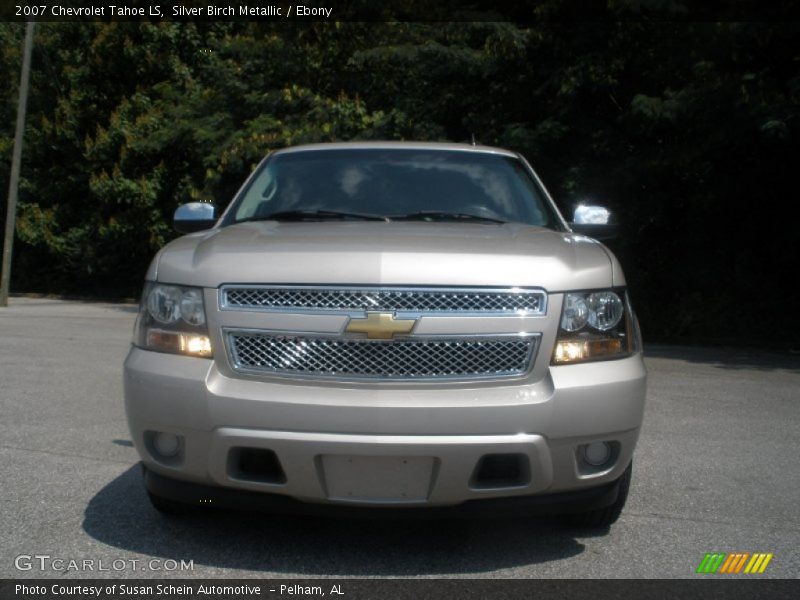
689 131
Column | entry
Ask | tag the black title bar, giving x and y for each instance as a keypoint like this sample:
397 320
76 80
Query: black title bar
394 589
523 11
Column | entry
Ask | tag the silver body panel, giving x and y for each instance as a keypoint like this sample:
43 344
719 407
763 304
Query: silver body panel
376 253
545 421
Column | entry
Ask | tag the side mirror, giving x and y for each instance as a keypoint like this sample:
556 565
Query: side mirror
194 216
595 222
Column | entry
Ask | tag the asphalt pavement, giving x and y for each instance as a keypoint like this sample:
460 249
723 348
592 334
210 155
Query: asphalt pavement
716 469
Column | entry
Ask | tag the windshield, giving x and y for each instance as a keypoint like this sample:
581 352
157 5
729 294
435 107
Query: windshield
394 184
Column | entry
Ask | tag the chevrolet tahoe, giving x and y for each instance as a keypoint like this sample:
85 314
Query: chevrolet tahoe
388 326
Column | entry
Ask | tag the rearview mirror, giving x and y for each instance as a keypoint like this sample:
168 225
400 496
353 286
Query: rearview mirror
594 221
194 216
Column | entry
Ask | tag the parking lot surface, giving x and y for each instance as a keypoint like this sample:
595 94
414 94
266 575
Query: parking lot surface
716 469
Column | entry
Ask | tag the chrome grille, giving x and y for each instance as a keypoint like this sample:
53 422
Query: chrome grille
409 299
412 358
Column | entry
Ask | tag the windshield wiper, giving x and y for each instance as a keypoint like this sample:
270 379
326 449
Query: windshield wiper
444 216
308 215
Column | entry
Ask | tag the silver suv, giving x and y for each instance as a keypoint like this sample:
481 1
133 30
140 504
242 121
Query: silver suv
388 326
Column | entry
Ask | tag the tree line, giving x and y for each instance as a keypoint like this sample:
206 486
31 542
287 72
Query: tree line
688 131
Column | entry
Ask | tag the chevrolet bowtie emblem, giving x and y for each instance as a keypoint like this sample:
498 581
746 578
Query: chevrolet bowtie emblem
380 326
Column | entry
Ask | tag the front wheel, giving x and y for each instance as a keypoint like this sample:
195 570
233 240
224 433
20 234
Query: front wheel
168 507
165 506
604 517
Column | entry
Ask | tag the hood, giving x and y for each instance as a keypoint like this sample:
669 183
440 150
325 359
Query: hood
378 253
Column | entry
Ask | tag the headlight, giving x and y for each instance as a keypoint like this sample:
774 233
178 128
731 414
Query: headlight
173 319
575 313
596 325
164 303
192 309
605 310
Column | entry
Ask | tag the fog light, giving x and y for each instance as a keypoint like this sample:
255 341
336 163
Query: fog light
597 453
166 444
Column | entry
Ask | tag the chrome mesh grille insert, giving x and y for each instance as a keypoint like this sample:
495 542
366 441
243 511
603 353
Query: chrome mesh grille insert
420 358
426 300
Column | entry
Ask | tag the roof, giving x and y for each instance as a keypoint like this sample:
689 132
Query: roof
397 145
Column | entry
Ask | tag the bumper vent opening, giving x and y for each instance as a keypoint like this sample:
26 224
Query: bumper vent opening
501 471
255 464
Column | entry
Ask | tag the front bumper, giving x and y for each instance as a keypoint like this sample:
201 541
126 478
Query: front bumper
415 446
576 501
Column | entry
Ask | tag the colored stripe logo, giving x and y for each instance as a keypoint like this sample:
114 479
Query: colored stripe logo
722 563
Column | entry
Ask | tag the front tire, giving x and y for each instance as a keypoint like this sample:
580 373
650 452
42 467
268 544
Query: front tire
168 507
165 506
604 517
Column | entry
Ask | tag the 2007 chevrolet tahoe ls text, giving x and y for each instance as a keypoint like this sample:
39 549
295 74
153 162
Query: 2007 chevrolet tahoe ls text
390 326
